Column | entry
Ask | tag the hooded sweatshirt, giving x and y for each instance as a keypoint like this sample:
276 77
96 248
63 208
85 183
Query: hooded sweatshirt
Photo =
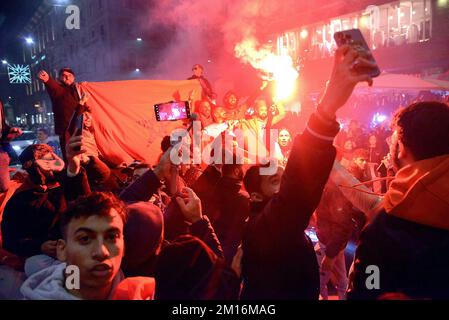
421 187
408 241
48 284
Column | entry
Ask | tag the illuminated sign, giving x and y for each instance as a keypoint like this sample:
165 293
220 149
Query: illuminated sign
19 73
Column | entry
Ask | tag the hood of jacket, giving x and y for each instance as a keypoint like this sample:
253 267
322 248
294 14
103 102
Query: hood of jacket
420 193
47 284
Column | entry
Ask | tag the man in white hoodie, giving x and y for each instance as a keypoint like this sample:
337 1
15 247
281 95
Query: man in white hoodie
91 254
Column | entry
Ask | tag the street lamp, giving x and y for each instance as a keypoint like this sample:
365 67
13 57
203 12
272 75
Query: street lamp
139 39
4 62
29 40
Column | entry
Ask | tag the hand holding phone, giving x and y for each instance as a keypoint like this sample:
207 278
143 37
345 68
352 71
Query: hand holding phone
78 131
343 80
355 39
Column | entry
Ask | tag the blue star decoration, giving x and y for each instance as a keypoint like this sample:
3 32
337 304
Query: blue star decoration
19 73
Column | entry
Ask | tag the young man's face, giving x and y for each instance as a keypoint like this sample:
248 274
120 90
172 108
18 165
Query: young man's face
270 185
41 136
348 145
197 71
232 99
284 138
205 109
219 114
360 162
67 78
262 109
95 244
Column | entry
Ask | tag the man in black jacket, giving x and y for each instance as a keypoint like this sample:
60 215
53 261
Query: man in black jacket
405 249
231 205
207 92
278 258
7 134
30 223
65 96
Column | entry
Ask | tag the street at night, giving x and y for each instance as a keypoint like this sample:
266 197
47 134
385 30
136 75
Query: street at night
246 152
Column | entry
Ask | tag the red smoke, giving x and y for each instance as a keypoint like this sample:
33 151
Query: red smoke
207 32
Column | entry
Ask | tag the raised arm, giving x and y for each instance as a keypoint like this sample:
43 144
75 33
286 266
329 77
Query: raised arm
53 87
313 154
148 184
362 198
280 113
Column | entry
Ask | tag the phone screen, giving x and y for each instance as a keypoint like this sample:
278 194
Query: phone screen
172 111
355 38
79 124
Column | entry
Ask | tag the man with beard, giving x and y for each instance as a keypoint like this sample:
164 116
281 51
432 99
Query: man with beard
204 110
65 96
236 111
31 216
264 117
260 125
405 248
285 145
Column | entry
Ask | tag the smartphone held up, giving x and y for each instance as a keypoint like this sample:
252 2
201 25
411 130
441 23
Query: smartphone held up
78 129
355 39
172 111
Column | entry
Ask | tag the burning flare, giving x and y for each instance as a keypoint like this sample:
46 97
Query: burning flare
277 68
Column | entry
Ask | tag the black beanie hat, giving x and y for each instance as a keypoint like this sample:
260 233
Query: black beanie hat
66 69
143 233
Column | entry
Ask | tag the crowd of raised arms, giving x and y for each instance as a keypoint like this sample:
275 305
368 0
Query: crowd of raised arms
73 227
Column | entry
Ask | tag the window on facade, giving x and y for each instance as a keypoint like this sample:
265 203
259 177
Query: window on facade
387 25
102 33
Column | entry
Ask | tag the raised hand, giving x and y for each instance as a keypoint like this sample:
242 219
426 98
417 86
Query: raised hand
74 150
43 75
345 77
190 205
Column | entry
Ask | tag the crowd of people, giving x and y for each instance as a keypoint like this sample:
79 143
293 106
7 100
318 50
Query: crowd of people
73 228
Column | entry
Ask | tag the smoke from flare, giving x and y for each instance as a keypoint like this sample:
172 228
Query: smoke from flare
280 68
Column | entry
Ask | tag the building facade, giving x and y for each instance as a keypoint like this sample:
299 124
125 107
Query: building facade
111 43
406 36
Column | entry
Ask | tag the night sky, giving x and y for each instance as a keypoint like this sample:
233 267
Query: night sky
14 14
